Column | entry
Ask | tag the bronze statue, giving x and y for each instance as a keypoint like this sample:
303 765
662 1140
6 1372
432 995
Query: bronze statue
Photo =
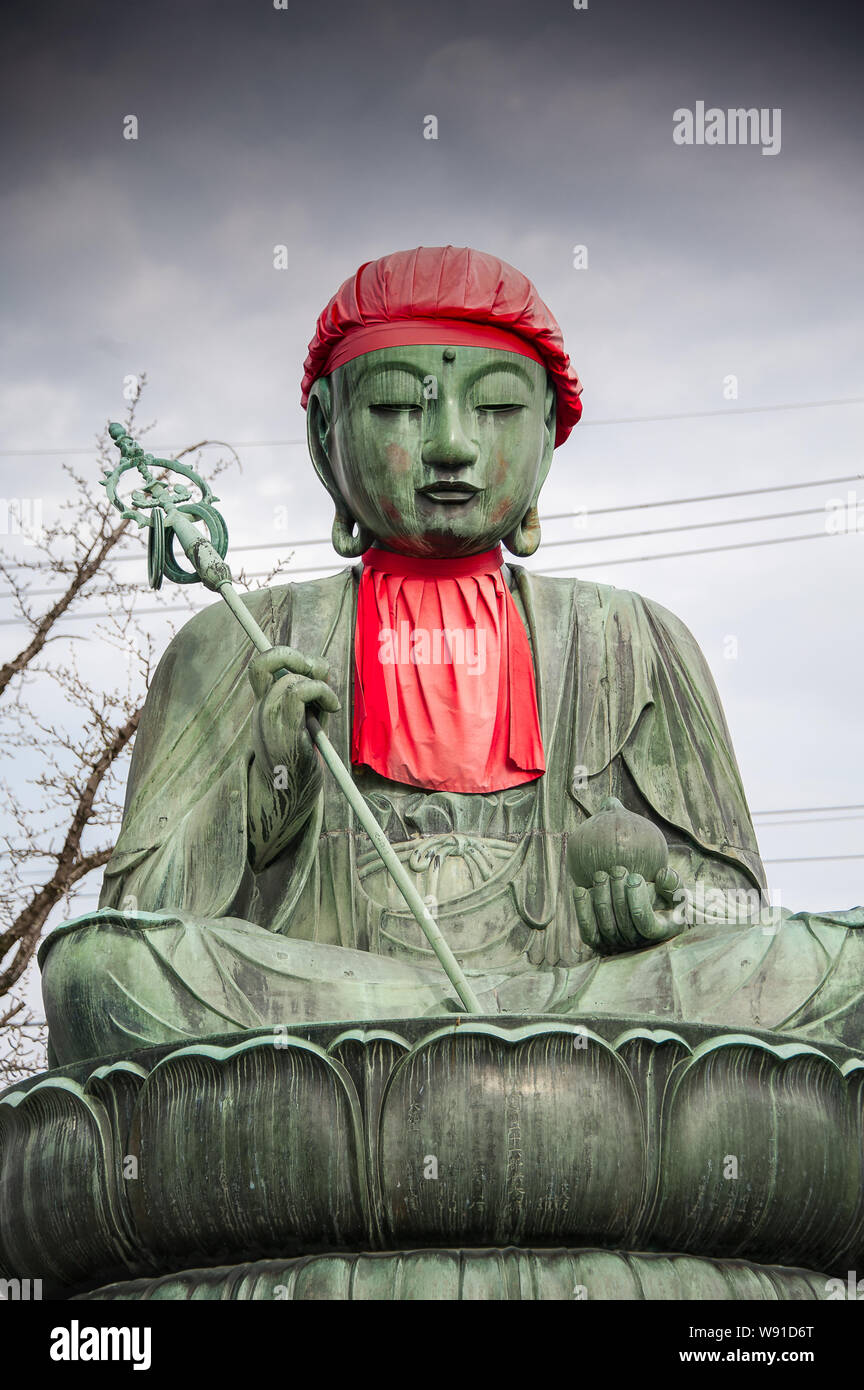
241 891
497 1010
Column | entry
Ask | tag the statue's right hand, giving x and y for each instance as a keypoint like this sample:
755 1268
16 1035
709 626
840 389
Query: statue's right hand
281 710
286 767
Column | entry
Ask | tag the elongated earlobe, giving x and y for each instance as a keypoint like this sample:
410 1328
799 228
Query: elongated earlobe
345 543
525 538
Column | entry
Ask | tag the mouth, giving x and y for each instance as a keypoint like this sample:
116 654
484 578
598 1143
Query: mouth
451 493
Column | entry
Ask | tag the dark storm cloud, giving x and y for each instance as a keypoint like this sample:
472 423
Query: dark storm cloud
304 127
258 126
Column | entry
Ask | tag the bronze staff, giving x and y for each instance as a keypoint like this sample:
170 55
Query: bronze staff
166 509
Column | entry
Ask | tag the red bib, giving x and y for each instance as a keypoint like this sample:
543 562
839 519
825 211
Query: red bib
444 694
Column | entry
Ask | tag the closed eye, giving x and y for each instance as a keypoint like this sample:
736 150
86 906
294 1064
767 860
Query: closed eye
391 407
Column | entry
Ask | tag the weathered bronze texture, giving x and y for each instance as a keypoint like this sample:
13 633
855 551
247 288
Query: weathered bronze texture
258 1059
413 1136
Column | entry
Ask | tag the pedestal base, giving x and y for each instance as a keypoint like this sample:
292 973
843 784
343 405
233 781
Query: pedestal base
514 1157
479 1276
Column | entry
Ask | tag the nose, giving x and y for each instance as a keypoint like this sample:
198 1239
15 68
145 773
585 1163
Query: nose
446 445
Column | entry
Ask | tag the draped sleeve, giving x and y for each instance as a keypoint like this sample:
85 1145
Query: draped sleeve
183 842
644 691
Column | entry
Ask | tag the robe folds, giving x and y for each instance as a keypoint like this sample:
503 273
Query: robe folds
616 675
189 941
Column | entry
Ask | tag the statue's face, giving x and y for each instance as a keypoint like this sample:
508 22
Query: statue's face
436 450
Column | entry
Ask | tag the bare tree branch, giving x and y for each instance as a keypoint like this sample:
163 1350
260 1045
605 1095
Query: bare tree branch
71 865
23 1045
61 816
92 514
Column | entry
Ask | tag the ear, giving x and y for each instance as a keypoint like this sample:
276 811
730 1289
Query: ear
319 415
549 441
319 420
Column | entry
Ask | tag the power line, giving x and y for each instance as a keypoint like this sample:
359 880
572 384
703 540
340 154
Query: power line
557 569
623 560
805 810
808 820
812 859
123 559
585 424
688 526
165 450
574 540
36 876
678 554
756 815
143 588
730 410
565 516
705 497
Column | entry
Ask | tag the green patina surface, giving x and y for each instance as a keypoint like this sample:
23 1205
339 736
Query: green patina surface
237 900
430 1143
242 898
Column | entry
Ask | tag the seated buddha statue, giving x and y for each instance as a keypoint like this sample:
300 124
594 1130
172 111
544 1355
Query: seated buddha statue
487 713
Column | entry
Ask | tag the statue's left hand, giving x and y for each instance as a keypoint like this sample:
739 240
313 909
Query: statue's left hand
624 913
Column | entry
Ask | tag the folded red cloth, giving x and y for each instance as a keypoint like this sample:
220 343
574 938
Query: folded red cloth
443 294
444 694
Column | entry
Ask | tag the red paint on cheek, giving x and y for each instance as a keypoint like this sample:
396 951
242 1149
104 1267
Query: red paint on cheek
501 470
398 458
390 510
498 513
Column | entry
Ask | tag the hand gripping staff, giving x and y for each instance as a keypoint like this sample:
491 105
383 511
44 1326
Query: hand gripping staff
168 511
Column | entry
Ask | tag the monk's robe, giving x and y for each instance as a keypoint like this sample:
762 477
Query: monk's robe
189 941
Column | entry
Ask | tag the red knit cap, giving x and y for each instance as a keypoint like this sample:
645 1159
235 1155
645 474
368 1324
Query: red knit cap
443 294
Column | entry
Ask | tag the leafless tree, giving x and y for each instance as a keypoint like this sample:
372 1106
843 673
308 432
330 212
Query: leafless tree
61 802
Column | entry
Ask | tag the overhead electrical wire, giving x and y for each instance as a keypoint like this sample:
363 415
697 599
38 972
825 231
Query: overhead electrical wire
806 810
729 410
582 513
679 554
556 569
577 540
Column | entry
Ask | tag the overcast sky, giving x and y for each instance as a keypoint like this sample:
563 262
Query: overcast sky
304 127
